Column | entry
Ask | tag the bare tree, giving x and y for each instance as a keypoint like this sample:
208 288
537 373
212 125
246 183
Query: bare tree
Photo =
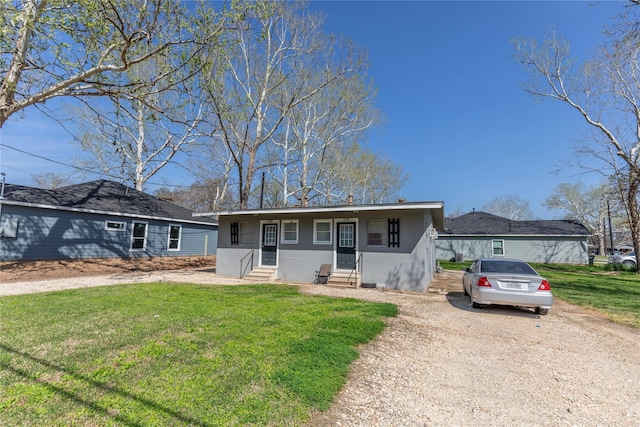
586 204
56 48
201 196
52 180
605 92
264 72
357 172
138 132
509 206
455 213
212 163
336 116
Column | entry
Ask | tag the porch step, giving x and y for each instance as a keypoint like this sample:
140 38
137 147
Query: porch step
344 278
261 274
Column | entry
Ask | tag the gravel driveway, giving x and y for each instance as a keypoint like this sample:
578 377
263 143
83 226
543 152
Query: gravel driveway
441 362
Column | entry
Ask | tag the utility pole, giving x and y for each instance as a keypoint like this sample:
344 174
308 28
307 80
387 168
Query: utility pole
262 191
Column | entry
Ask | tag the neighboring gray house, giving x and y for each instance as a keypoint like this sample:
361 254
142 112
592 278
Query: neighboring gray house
480 234
390 245
99 219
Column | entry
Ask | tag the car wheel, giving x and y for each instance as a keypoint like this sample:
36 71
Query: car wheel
542 311
629 264
473 303
466 294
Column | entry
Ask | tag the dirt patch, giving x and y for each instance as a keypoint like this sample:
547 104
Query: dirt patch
21 271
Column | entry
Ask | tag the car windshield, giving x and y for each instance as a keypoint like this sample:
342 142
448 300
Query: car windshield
513 267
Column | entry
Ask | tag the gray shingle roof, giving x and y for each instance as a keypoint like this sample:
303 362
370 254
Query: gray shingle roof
482 223
103 196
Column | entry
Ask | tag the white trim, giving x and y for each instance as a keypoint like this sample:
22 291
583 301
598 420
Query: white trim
492 247
98 212
349 208
169 248
335 243
315 235
146 234
262 223
505 236
116 229
283 240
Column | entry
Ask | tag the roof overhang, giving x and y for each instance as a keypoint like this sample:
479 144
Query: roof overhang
99 212
436 208
493 236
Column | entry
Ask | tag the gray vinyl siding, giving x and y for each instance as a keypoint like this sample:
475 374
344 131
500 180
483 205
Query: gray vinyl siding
558 250
548 250
49 234
196 240
470 247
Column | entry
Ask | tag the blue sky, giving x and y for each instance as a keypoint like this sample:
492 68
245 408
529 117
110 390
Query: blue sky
457 119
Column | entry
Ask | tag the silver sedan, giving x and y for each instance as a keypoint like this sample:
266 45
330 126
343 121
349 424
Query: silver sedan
506 282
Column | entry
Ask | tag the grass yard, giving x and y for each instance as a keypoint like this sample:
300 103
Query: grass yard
177 354
615 294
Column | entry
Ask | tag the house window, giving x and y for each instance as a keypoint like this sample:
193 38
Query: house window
322 232
346 235
498 247
10 229
245 233
114 226
139 236
394 233
175 231
290 231
377 232
241 233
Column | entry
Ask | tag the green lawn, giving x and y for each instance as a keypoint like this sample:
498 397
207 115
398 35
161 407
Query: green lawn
615 294
177 354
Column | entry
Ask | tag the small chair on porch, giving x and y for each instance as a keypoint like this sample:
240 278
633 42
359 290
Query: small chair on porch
322 275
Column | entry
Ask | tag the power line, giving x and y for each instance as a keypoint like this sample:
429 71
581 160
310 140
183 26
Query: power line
55 161
83 169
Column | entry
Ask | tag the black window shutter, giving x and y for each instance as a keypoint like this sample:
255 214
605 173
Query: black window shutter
234 233
394 233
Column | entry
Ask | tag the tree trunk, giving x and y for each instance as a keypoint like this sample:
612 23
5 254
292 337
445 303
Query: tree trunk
634 215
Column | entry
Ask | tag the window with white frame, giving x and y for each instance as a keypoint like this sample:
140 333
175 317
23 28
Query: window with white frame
498 247
322 231
377 232
175 232
114 226
290 231
139 236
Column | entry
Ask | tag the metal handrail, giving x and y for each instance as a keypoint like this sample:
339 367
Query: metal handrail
357 267
243 271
